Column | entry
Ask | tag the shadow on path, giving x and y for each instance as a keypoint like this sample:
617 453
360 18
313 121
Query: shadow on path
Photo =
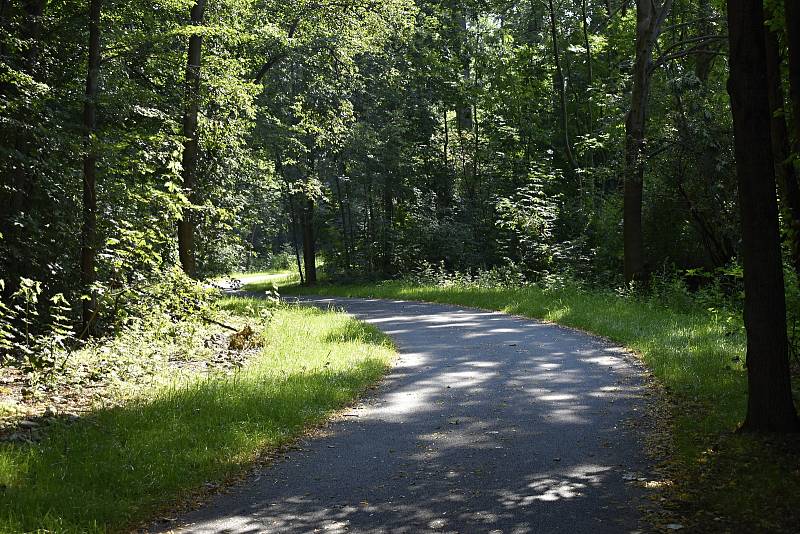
487 423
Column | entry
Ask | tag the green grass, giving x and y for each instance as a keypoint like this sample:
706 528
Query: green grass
119 466
280 277
696 355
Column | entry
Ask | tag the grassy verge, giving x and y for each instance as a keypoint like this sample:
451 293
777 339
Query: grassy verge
121 465
722 480
282 277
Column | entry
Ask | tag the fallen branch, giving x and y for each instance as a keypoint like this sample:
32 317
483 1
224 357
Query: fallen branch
218 323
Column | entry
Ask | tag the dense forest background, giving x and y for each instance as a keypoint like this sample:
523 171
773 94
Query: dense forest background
390 134
535 140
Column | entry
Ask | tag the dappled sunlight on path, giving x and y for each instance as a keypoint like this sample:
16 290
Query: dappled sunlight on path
487 423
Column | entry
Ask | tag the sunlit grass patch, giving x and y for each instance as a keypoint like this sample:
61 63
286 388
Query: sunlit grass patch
120 465
284 276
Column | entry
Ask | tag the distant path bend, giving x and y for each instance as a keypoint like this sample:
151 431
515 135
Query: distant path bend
488 423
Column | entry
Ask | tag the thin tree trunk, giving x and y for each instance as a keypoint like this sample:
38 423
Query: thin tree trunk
770 407
784 167
649 19
252 252
388 217
462 145
369 223
350 223
89 227
309 245
477 144
590 77
562 97
590 73
443 184
295 238
342 215
464 110
191 141
716 248
446 143
289 204
296 241
792 15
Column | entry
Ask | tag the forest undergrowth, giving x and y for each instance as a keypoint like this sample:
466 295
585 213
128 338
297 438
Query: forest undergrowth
125 429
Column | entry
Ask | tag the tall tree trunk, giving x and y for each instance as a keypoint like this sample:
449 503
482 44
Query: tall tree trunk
89 227
769 407
444 186
366 231
388 218
792 15
649 19
340 201
446 150
476 146
309 244
706 52
191 141
350 224
464 110
559 83
784 167
291 212
589 78
295 239
253 242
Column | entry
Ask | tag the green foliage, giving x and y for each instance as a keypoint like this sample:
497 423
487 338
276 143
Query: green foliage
22 339
528 219
421 130
38 332
119 465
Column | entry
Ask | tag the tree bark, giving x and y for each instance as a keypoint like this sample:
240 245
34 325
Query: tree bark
770 407
340 201
309 244
89 227
350 224
388 221
588 51
290 211
464 110
649 19
191 142
295 240
559 83
792 16
446 150
784 167
706 52
589 79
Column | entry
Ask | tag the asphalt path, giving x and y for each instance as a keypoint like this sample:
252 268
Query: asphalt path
487 423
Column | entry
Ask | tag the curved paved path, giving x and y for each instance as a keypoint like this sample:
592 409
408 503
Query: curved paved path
488 423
